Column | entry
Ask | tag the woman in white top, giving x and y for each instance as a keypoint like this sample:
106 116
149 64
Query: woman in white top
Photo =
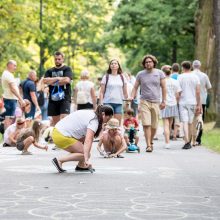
170 111
114 88
84 94
75 134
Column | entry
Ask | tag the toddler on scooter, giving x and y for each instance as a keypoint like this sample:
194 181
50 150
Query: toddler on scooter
131 125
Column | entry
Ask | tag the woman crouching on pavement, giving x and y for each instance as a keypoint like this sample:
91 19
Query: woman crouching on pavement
75 134
112 140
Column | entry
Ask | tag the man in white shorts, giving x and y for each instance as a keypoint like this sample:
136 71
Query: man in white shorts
205 86
189 103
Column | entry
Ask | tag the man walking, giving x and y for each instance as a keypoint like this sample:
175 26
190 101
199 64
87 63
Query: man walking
189 103
61 75
205 86
10 90
150 80
29 92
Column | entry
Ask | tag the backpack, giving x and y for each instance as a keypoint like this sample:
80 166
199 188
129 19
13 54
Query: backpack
40 98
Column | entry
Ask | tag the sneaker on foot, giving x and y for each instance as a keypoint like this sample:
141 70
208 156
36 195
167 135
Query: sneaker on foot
167 146
187 146
56 164
6 145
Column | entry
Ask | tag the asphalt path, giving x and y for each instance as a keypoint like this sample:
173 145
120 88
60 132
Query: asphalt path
165 184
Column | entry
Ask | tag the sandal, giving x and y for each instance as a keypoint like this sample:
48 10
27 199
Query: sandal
149 149
119 156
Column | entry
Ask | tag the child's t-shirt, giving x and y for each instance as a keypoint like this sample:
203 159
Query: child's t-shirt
131 122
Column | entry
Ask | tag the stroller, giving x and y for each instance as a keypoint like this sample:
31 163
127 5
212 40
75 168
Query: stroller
132 146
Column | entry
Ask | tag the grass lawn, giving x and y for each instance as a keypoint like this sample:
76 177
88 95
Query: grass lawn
211 137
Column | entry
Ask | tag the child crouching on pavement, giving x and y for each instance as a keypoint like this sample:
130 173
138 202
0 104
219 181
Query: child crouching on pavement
30 136
112 140
130 123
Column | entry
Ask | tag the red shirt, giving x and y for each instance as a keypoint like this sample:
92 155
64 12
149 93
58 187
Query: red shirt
130 122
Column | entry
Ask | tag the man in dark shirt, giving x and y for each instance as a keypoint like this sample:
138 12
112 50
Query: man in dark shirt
29 92
63 75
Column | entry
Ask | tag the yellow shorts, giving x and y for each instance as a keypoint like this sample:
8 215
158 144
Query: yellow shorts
149 113
62 141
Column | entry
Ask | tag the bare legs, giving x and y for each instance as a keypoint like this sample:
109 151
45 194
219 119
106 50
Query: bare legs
115 145
167 123
76 154
149 134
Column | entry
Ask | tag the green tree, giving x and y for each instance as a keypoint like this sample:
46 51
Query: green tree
164 28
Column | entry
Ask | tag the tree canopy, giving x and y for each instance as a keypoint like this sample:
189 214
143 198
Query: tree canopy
164 28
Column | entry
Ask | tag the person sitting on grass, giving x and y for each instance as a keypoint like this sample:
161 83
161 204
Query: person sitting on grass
30 136
130 122
112 140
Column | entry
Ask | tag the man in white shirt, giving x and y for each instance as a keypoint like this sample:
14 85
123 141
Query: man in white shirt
205 86
189 102
10 90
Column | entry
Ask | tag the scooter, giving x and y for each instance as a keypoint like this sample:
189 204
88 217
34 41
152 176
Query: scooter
132 146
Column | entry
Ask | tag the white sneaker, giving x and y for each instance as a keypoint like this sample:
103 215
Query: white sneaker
167 146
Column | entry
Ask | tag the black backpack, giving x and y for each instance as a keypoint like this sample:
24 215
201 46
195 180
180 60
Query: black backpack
40 98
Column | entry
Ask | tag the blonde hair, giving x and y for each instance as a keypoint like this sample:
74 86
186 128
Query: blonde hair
84 74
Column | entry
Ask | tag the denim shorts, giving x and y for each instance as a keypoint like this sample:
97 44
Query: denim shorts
116 107
10 106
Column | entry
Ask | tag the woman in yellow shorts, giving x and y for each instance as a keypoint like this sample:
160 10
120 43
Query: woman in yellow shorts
75 134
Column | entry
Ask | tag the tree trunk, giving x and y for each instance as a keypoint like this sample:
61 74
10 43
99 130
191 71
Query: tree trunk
205 45
216 18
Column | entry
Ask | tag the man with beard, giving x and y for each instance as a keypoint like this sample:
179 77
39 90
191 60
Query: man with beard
150 81
59 75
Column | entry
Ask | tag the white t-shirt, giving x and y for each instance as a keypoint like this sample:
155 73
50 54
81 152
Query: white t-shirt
204 85
75 124
8 78
129 88
10 129
188 83
86 86
172 87
114 89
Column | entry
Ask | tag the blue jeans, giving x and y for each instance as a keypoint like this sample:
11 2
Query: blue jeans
10 106
44 110
116 107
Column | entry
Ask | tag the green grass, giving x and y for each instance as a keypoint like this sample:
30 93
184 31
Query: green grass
211 137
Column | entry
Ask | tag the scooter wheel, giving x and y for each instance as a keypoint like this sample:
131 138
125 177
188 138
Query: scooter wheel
138 150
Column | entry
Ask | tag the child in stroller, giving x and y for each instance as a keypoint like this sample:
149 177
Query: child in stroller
131 131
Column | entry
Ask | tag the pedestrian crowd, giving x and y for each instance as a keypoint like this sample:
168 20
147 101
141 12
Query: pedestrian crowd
110 112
